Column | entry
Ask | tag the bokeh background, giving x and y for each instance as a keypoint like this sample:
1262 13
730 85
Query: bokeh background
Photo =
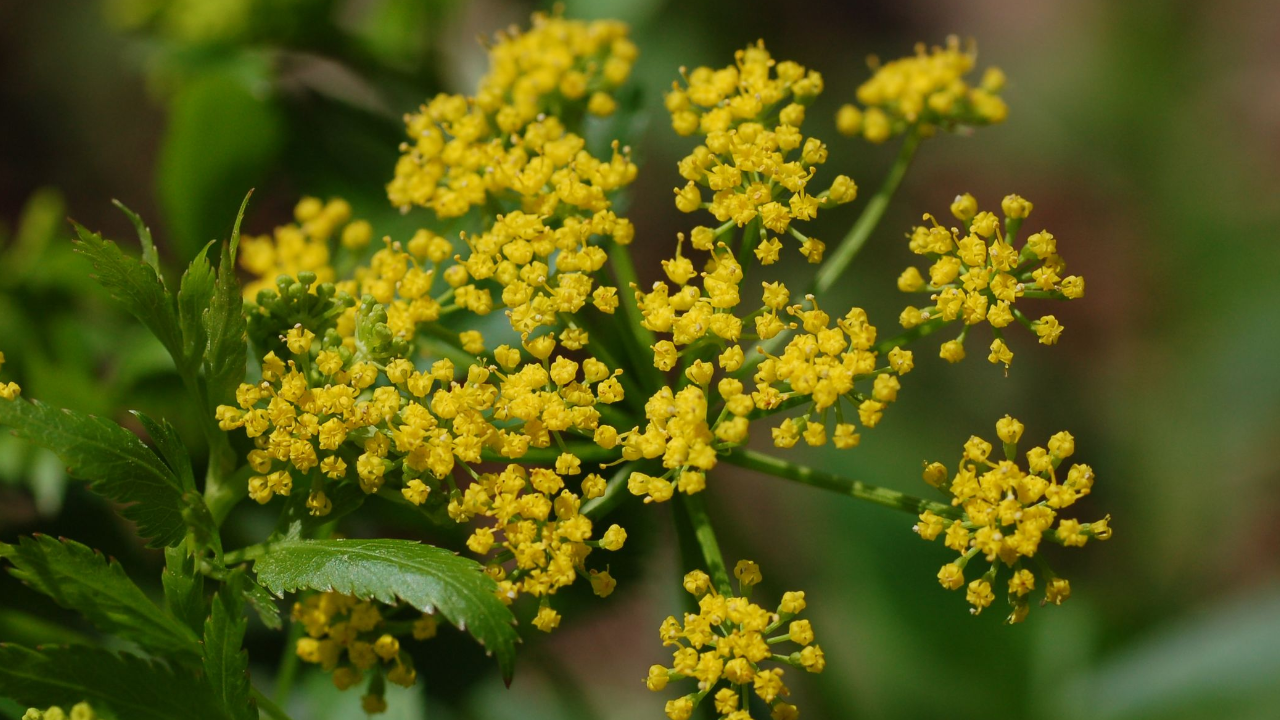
1147 134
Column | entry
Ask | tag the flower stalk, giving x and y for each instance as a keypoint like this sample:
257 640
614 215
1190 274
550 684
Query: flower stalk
812 477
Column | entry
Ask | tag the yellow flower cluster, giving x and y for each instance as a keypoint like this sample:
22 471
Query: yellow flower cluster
345 398
819 367
327 411
541 529
728 640
79 711
301 246
750 115
509 141
978 275
926 91
401 280
537 290
8 391
1006 514
335 412
346 636
510 150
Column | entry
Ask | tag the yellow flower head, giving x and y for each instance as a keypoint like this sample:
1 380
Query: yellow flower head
754 163
979 274
1002 513
925 92
727 643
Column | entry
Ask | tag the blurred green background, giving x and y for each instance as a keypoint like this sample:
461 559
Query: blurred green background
1146 133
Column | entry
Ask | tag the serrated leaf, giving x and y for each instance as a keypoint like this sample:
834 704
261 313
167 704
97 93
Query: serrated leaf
262 603
80 579
194 295
115 462
227 346
183 588
226 665
426 577
172 451
149 254
128 686
135 285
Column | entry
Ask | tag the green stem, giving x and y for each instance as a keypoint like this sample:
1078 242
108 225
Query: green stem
587 452
272 710
696 508
221 493
844 253
835 265
922 330
568 690
597 508
760 462
640 338
750 238
246 553
288 664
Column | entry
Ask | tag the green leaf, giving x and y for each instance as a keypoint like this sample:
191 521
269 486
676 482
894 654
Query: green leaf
135 285
171 448
194 296
226 665
183 588
130 687
117 464
227 349
80 579
262 603
175 455
426 577
149 254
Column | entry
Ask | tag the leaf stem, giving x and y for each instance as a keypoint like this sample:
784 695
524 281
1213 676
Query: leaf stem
696 508
770 465
866 223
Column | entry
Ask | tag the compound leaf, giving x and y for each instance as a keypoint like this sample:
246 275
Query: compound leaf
135 285
226 665
115 462
81 579
128 686
224 324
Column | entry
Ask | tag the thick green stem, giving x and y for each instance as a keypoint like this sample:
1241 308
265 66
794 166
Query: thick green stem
696 508
222 492
220 495
844 253
817 478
